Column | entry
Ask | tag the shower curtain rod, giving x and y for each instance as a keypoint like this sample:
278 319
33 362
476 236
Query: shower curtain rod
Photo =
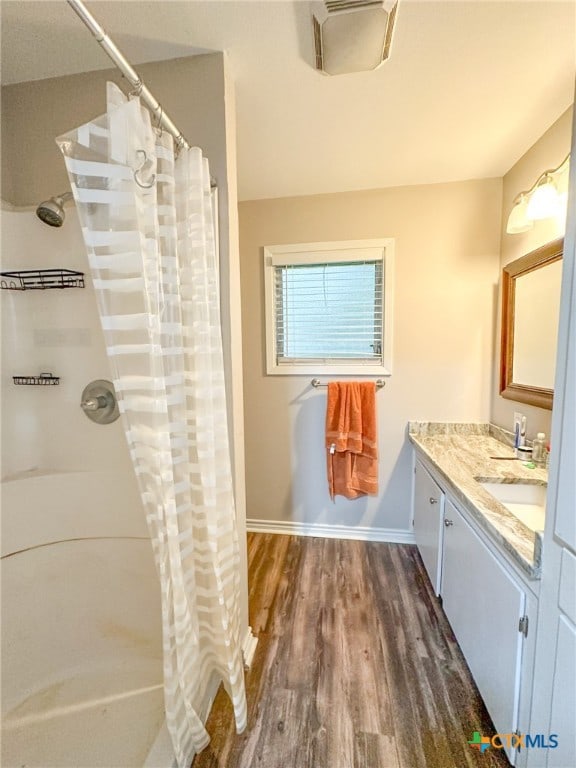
129 73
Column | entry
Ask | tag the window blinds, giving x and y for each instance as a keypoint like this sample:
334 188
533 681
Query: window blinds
329 311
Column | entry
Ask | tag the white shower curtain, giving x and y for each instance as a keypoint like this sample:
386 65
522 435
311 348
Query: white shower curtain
148 229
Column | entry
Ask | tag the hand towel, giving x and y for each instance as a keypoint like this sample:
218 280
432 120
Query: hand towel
351 442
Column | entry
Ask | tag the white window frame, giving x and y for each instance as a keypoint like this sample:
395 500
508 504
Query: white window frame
322 253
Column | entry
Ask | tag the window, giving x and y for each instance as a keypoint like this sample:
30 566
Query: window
329 307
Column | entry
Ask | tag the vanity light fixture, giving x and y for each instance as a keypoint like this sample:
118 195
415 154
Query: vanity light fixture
542 201
518 220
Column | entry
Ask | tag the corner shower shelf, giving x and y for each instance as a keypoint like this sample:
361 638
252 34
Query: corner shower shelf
41 279
45 379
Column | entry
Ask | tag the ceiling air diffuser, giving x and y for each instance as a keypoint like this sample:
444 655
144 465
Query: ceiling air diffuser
352 35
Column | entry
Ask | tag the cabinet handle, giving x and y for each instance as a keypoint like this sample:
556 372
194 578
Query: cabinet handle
448 523
433 500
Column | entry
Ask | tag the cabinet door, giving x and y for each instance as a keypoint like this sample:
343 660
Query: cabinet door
483 604
428 509
564 697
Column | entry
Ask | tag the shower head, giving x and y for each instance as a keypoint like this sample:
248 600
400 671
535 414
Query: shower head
52 211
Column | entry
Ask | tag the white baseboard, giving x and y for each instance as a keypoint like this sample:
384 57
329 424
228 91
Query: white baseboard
249 648
358 533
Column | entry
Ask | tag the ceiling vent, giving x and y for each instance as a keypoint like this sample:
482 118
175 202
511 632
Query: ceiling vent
352 35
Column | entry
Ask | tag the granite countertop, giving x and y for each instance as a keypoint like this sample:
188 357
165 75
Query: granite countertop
462 455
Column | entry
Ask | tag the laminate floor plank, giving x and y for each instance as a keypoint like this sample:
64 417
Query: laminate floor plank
281 617
374 749
356 665
300 631
265 564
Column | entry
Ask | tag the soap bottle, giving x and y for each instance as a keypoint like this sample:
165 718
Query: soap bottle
539 449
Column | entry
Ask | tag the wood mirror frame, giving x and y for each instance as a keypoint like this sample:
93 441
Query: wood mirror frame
537 259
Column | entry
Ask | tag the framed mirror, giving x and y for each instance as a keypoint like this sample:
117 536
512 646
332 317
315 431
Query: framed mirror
530 310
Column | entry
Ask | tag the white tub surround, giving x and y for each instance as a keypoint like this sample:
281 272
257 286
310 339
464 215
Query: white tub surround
81 632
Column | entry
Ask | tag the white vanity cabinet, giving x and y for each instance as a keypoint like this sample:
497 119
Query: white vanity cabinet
428 512
490 604
485 605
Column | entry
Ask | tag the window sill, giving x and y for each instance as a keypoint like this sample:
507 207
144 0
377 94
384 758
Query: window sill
319 369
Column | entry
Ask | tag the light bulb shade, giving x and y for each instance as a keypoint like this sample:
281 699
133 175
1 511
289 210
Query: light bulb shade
544 201
518 220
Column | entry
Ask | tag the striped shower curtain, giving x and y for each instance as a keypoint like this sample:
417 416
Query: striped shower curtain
147 224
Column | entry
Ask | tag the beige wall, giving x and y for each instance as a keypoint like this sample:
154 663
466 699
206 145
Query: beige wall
190 89
547 152
197 93
446 272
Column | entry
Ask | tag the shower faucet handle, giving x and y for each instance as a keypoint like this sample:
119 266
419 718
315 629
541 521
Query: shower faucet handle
94 403
98 402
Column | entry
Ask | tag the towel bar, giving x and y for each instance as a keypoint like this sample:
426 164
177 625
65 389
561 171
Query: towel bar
380 383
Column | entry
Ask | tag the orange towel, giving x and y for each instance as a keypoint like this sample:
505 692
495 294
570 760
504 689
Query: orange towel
351 439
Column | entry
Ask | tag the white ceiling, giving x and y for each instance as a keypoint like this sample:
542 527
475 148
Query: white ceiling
469 87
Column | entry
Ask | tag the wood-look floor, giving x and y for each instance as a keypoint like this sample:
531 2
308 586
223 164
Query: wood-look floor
356 665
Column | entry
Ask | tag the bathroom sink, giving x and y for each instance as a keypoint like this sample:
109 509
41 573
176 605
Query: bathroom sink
526 501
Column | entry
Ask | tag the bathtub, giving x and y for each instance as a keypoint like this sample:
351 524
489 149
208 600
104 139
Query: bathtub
81 623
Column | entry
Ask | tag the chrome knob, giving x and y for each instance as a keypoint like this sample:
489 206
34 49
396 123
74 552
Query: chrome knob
433 500
448 523
98 402
94 403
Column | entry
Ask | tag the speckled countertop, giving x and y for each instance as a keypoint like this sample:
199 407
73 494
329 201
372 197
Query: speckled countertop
461 454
